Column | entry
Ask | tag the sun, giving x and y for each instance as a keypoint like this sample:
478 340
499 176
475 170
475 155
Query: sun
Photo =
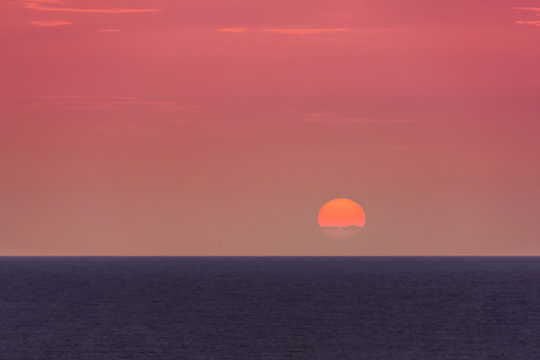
341 218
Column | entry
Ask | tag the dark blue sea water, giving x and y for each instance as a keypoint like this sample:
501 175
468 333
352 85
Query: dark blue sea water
270 308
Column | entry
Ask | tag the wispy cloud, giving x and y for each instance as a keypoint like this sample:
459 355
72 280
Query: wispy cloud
304 31
233 30
533 9
41 5
108 30
43 1
50 23
526 22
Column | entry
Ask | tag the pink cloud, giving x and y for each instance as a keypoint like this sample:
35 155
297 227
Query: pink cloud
533 9
525 22
43 1
304 31
108 30
36 5
50 23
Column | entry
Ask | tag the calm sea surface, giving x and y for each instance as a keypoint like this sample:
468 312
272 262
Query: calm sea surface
270 308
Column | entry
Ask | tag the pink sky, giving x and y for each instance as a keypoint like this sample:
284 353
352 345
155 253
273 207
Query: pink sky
205 127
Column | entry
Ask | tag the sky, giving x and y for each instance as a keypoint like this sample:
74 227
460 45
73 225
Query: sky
205 127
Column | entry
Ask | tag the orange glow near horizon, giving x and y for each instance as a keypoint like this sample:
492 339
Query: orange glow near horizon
342 212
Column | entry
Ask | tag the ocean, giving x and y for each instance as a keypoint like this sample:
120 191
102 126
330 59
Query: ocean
269 308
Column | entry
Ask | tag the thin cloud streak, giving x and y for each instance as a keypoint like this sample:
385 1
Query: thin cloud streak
528 22
38 7
533 9
108 30
42 1
304 31
50 23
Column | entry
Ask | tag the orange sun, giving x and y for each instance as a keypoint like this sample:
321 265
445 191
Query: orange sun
341 218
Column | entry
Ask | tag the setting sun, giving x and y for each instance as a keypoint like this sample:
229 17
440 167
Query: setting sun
341 217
